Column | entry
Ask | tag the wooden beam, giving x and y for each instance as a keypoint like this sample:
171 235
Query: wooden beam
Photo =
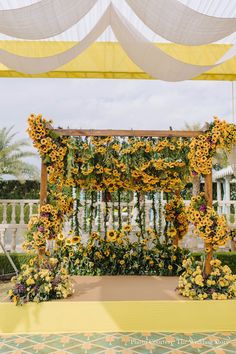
43 184
208 189
208 196
140 133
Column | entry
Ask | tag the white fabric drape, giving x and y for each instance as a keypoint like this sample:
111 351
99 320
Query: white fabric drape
179 23
29 65
143 53
151 59
43 19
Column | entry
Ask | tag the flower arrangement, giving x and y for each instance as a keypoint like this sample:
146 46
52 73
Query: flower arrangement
176 217
49 223
42 279
219 285
220 134
118 255
111 163
208 224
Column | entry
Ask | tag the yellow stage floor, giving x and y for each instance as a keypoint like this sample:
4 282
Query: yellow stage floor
120 304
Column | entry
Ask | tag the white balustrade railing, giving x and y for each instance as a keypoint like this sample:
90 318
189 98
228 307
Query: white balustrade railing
15 214
14 218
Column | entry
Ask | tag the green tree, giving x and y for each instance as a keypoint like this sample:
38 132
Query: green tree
12 155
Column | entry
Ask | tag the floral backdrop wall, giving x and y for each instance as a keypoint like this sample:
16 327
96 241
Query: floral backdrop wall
117 170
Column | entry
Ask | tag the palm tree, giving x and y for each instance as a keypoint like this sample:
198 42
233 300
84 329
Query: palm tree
12 157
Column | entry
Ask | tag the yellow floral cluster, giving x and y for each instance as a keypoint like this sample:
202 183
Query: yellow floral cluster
219 285
117 254
49 223
176 217
42 279
111 163
52 148
208 224
220 134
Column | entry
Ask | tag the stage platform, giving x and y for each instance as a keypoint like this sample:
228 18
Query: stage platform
120 304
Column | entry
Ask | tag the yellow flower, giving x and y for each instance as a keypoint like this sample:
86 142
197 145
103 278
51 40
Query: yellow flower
75 239
30 281
127 228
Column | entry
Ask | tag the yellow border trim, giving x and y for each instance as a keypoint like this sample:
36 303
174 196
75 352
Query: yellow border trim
107 60
125 316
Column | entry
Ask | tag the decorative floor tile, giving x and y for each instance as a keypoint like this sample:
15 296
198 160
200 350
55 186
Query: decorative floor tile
151 348
86 348
230 345
219 351
195 348
63 342
120 343
39 348
4 348
88 336
20 343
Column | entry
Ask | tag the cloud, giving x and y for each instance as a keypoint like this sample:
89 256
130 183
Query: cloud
115 104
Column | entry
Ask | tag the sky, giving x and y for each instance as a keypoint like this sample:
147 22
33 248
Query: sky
115 104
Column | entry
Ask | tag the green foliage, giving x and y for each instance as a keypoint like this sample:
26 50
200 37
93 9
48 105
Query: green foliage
13 189
18 258
120 256
83 267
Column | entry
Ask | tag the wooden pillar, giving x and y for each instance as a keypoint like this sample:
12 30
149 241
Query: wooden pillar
208 196
43 184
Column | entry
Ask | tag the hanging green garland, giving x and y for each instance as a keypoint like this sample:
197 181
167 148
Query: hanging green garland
106 214
128 200
119 211
144 211
92 209
154 211
159 213
85 211
140 212
113 207
99 211
77 207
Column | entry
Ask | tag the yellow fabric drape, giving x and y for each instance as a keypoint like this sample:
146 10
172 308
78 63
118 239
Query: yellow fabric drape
108 60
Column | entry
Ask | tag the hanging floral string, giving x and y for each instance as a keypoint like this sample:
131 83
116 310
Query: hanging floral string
77 207
159 200
92 209
85 211
154 212
99 211
140 214
119 211
113 212
144 212
106 214
128 201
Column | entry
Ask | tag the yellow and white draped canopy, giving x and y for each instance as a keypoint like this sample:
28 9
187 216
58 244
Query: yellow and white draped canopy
170 40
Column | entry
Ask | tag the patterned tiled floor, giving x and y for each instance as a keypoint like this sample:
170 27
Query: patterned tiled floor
122 343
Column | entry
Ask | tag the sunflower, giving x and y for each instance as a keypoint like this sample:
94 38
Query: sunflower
127 228
60 237
75 239
111 235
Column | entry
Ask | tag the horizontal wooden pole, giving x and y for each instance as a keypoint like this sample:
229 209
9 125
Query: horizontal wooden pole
111 132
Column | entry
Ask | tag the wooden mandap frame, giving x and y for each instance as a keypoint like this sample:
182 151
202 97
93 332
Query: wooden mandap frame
134 133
